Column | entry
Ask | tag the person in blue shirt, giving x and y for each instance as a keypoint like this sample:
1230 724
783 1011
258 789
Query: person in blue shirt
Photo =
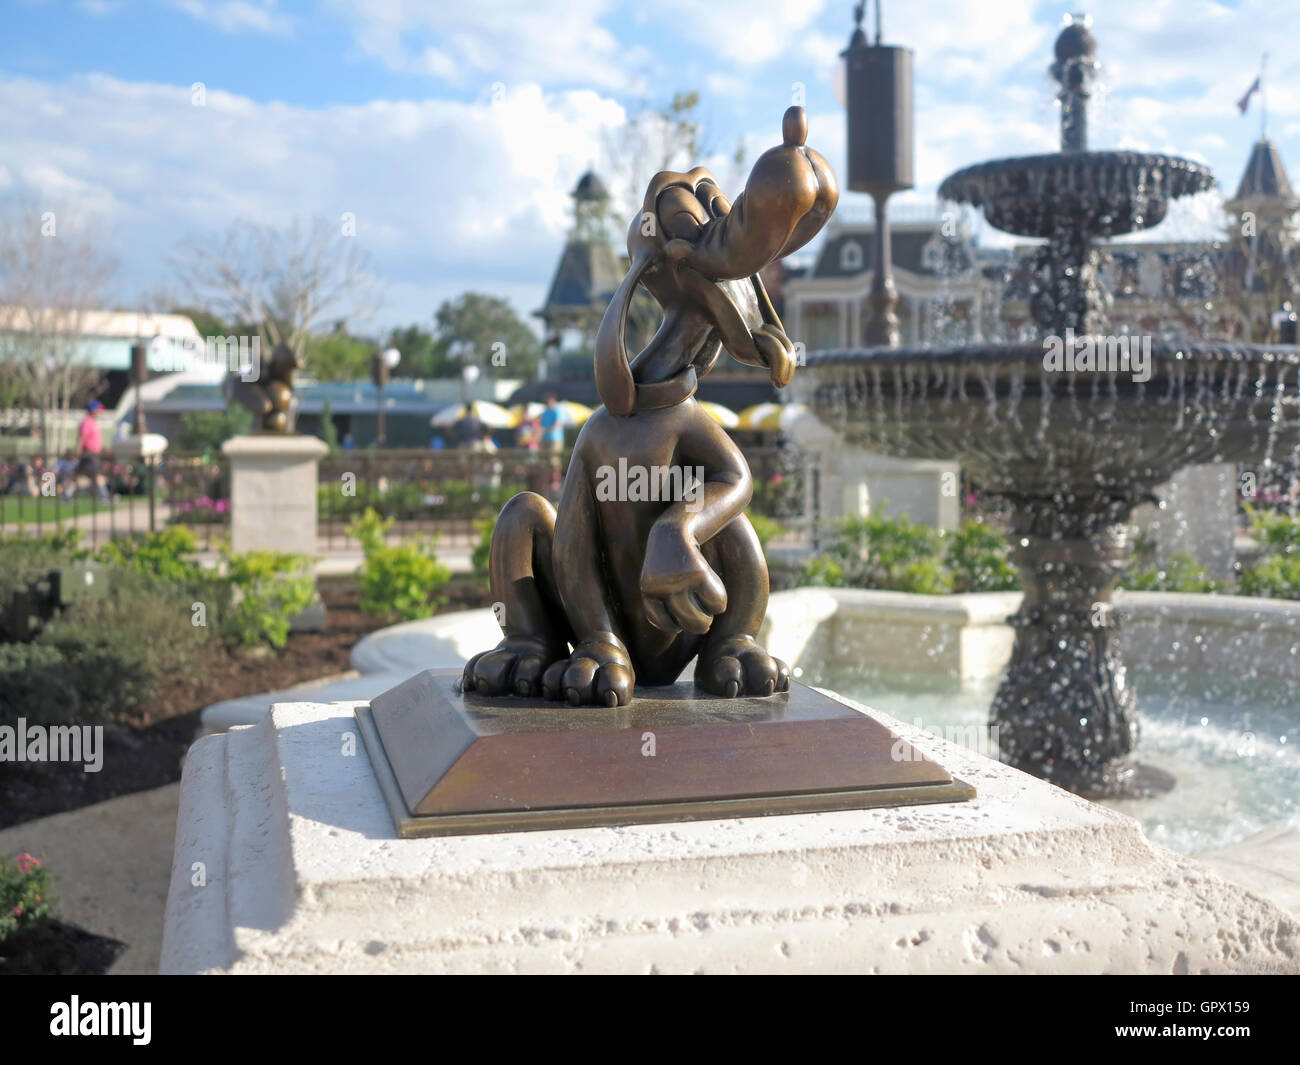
553 420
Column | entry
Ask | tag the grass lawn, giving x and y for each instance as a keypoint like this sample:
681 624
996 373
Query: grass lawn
48 510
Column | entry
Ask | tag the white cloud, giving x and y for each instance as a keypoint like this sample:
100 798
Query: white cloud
512 41
233 16
446 195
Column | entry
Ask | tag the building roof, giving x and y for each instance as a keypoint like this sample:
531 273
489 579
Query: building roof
587 276
907 246
1264 176
131 325
590 188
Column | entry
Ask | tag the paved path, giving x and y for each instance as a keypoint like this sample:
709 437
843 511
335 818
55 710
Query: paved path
112 864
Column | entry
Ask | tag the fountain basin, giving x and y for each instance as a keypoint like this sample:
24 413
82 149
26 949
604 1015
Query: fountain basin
1115 192
1027 430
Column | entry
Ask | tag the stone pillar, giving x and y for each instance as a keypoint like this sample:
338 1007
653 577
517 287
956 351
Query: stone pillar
1199 517
854 481
273 500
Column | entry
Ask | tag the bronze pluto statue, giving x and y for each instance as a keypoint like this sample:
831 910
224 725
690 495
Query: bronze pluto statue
650 560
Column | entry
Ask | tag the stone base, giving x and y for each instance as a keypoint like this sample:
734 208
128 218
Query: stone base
286 861
273 492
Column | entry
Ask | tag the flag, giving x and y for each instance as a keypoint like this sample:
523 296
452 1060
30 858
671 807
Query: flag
1244 103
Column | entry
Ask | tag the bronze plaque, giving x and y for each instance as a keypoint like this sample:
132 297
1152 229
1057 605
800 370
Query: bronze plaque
452 763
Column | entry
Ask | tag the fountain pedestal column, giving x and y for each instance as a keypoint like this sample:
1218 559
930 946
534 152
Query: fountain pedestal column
1064 710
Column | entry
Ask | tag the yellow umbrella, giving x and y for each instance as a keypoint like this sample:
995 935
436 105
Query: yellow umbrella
577 412
724 416
771 416
493 415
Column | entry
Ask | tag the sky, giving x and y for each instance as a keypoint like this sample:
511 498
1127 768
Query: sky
452 131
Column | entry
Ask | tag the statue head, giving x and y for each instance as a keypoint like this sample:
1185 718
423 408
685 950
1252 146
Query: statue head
700 255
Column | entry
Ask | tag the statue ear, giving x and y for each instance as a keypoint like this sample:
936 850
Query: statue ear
613 375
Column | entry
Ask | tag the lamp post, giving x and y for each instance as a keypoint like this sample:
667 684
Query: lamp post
382 363
878 98
139 374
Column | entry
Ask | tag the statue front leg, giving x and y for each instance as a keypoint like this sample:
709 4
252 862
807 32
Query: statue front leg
525 601
731 662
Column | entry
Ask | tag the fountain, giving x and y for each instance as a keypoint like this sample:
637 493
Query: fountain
1073 430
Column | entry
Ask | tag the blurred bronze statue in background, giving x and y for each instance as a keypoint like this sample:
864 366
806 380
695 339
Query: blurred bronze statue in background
649 560
270 395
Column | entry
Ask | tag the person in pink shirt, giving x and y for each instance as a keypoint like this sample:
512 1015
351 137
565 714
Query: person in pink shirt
90 445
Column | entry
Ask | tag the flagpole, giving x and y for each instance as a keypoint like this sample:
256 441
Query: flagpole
1263 99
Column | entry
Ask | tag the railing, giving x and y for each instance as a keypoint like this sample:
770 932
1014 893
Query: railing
441 493
119 496
450 494
453 494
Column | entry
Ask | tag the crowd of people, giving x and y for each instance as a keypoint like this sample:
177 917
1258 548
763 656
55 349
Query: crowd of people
543 432
83 469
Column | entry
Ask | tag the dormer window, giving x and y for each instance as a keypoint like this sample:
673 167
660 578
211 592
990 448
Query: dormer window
851 255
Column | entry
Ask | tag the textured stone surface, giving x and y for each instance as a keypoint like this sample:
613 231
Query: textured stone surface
303 874
273 492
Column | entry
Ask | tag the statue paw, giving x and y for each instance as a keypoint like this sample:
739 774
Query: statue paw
738 666
597 673
514 667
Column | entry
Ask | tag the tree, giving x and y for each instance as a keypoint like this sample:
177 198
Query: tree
423 354
285 283
339 357
667 137
206 430
54 271
491 334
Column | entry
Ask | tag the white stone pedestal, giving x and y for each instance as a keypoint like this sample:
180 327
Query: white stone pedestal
273 500
854 481
1199 517
286 861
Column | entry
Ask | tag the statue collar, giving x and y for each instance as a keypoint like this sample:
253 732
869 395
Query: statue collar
677 389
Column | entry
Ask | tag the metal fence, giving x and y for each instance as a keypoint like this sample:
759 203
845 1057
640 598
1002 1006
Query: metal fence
455 495
437 493
452 495
120 496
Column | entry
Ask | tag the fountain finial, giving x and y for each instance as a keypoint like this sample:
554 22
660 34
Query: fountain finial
1074 69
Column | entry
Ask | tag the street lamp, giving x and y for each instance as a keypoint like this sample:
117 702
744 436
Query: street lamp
468 375
876 83
382 363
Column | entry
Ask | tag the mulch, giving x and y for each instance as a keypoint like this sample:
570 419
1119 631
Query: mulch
53 948
148 753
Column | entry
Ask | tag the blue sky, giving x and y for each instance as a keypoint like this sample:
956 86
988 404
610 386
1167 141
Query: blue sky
454 130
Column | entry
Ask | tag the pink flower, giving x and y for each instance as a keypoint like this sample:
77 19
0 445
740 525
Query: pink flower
26 863
18 910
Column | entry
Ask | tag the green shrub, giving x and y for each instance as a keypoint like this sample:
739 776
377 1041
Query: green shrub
399 581
35 683
115 648
402 581
1273 577
370 528
26 894
980 560
1182 573
822 572
268 590
481 556
27 559
1277 533
167 554
888 553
